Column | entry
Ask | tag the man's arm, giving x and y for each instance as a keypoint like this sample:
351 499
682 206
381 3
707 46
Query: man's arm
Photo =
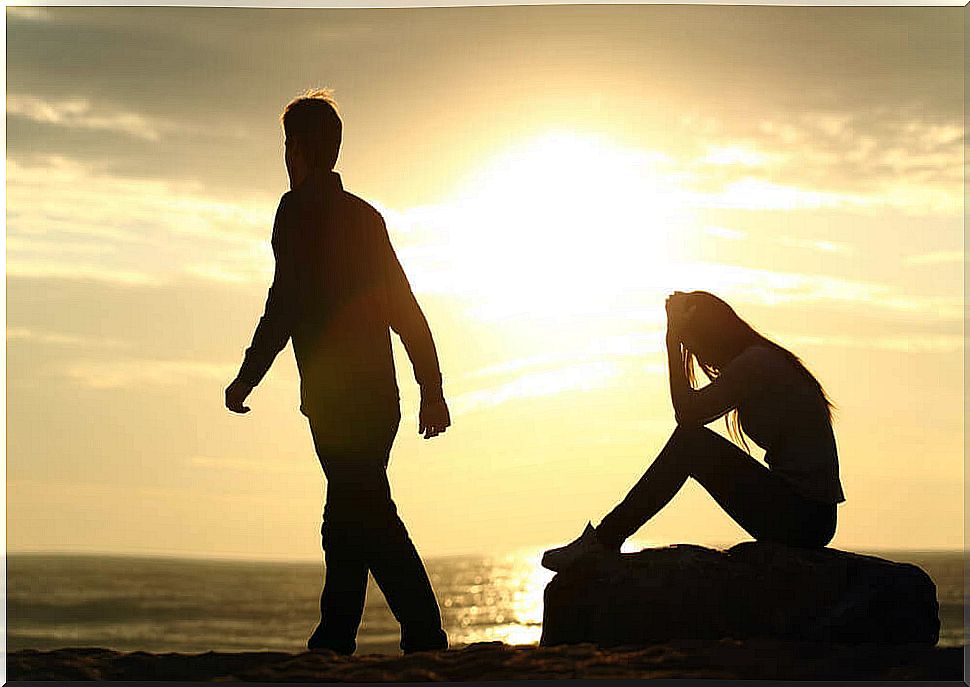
279 316
407 319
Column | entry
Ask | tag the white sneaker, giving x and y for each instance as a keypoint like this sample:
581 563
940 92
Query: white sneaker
585 546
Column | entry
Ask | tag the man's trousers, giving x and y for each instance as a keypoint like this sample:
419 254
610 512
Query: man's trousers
362 532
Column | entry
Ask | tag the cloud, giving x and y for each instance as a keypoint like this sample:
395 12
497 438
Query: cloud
36 244
883 157
239 272
613 347
757 194
768 287
730 234
241 465
41 269
832 124
78 113
823 246
725 233
60 339
912 343
517 365
582 367
583 377
738 155
118 374
877 158
936 258
75 221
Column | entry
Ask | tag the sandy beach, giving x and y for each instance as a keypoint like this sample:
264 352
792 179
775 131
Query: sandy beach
725 659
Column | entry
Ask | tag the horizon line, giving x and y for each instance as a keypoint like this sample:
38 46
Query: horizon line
522 550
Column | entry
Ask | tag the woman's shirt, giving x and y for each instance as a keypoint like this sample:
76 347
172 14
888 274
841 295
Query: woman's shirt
782 411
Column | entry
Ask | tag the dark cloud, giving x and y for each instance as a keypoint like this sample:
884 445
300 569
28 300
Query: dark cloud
434 84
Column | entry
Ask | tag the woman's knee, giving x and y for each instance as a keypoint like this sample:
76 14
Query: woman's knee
695 446
693 434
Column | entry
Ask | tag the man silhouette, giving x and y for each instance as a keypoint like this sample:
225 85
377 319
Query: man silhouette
337 288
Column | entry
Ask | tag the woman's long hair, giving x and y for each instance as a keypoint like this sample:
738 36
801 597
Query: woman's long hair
722 335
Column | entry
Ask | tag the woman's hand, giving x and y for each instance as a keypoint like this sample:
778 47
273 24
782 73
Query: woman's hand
679 313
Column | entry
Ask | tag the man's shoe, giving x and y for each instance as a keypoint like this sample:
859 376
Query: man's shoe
412 642
587 545
433 646
317 642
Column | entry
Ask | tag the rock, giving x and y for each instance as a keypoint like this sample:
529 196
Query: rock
752 590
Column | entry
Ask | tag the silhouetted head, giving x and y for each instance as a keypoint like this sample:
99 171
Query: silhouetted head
313 131
714 335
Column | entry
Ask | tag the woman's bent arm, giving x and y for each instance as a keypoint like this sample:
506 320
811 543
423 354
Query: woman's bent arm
692 407
680 388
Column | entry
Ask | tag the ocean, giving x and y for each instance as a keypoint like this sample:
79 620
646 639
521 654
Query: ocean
193 606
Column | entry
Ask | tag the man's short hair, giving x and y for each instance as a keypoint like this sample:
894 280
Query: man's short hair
312 120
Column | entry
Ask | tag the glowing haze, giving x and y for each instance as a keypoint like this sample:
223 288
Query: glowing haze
549 175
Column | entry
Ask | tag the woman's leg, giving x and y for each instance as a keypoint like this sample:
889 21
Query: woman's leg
758 500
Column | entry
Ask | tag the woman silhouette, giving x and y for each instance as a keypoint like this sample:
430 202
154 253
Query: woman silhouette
779 404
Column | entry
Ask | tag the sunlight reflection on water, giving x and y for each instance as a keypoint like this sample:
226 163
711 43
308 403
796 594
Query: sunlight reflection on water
497 599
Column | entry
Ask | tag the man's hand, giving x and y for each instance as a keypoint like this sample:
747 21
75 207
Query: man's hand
236 394
433 418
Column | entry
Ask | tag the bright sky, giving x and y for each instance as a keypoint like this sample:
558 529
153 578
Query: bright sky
549 175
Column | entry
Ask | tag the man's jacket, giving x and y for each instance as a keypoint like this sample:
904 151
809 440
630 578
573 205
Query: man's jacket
337 289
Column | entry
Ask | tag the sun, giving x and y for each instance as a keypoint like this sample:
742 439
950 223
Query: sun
564 224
